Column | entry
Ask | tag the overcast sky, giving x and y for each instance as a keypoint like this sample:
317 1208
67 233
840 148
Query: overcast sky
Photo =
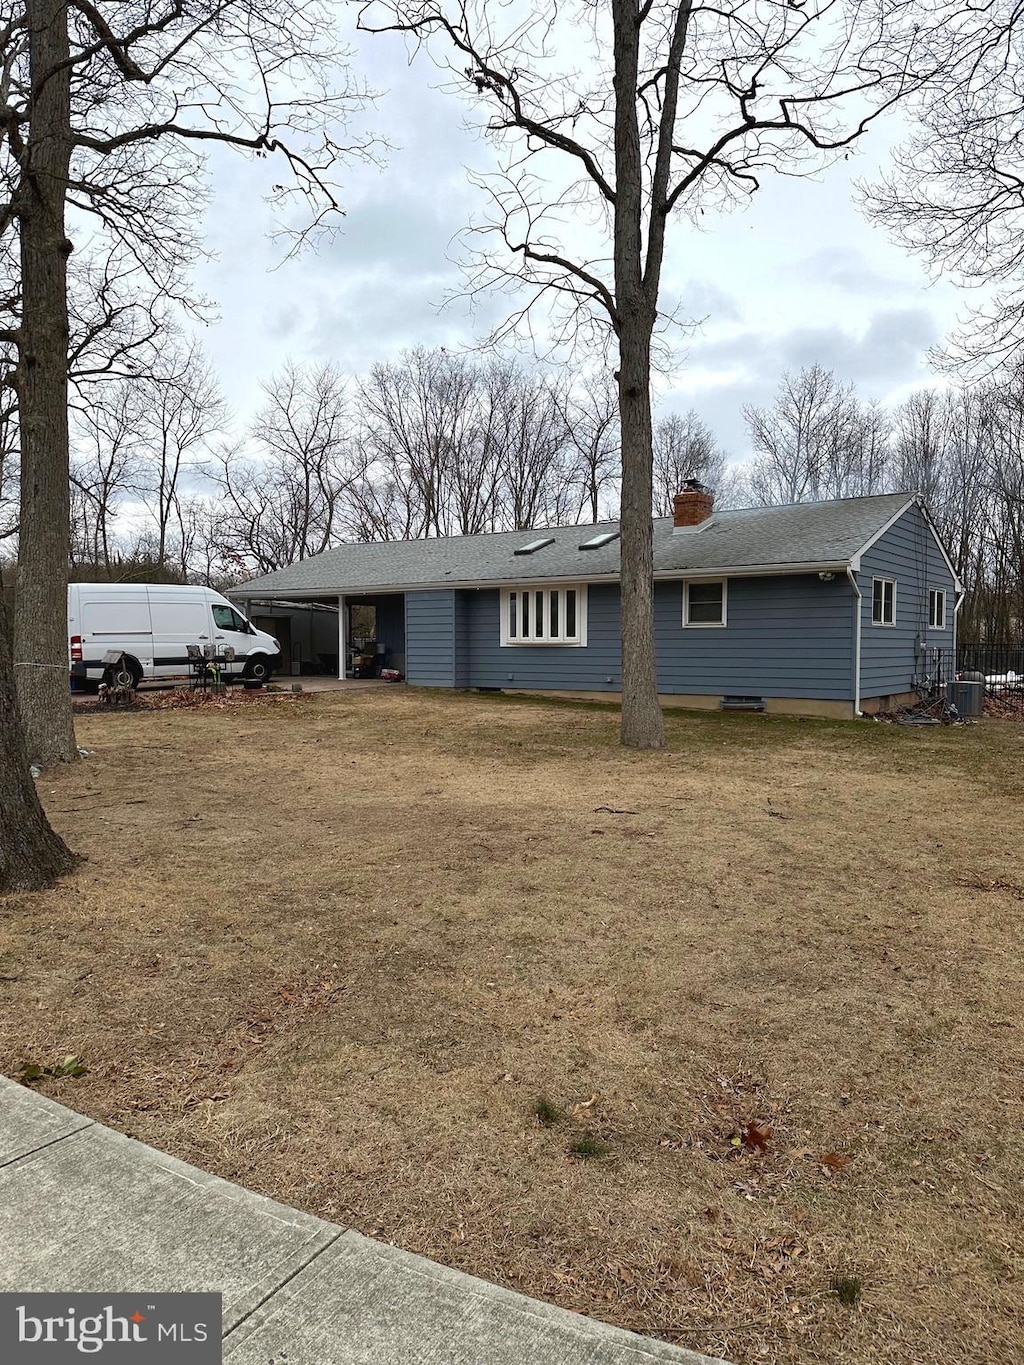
796 278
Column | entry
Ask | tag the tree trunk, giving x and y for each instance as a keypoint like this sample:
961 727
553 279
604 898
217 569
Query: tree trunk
642 722
41 644
32 856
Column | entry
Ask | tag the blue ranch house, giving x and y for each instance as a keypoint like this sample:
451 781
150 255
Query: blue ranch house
828 608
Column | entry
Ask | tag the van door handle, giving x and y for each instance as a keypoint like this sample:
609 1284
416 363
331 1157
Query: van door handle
204 637
218 637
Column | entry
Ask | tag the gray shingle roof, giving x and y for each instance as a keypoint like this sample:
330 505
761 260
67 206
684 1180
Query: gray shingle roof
804 534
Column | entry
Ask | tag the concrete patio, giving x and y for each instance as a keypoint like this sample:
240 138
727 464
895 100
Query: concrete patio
85 1209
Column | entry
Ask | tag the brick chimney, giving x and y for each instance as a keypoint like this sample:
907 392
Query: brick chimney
692 506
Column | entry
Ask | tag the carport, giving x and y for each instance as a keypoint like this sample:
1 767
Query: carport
333 635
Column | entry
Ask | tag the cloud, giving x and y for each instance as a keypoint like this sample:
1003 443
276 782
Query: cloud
848 270
798 279
282 320
890 350
723 374
721 407
702 300
380 313
420 233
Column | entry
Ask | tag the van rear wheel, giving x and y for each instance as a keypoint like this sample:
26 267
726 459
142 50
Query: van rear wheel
128 674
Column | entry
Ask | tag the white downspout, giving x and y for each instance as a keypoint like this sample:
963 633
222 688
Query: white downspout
856 647
961 597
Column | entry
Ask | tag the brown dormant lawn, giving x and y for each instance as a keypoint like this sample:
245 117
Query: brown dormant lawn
722 1044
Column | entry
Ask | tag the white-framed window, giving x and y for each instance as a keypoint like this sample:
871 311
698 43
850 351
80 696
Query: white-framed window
936 609
704 603
883 602
544 616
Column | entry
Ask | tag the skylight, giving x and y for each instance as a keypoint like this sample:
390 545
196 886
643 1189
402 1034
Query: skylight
596 542
534 546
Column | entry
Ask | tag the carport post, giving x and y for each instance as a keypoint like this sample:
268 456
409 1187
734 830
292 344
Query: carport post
342 636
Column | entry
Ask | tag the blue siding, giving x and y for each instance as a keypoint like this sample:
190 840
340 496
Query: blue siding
785 637
909 554
430 638
594 667
462 639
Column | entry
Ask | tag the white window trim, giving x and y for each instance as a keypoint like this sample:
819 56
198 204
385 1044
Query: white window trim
888 624
705 625
941 625
579 641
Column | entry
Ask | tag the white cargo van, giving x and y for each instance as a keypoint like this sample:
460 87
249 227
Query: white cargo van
153 624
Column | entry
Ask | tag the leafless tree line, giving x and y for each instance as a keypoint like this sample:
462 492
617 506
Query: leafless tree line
433 444
438 443
961 448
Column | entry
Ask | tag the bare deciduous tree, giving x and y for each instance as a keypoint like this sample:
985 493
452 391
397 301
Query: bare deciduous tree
456 447
105 109
522 421
181 411
868 440
142 438
9 464
684 448
996 607
283 501
421 431
105 467
811 443
921 445
661 109
957 195
592 421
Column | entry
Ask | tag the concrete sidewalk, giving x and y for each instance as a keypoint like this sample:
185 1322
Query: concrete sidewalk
83 1208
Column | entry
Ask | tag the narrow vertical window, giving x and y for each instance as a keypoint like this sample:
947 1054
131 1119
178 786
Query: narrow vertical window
512 604
553 614
538 617
883 602
526 615
570 614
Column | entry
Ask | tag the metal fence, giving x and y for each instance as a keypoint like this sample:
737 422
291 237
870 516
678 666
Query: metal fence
940 676
1001 664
